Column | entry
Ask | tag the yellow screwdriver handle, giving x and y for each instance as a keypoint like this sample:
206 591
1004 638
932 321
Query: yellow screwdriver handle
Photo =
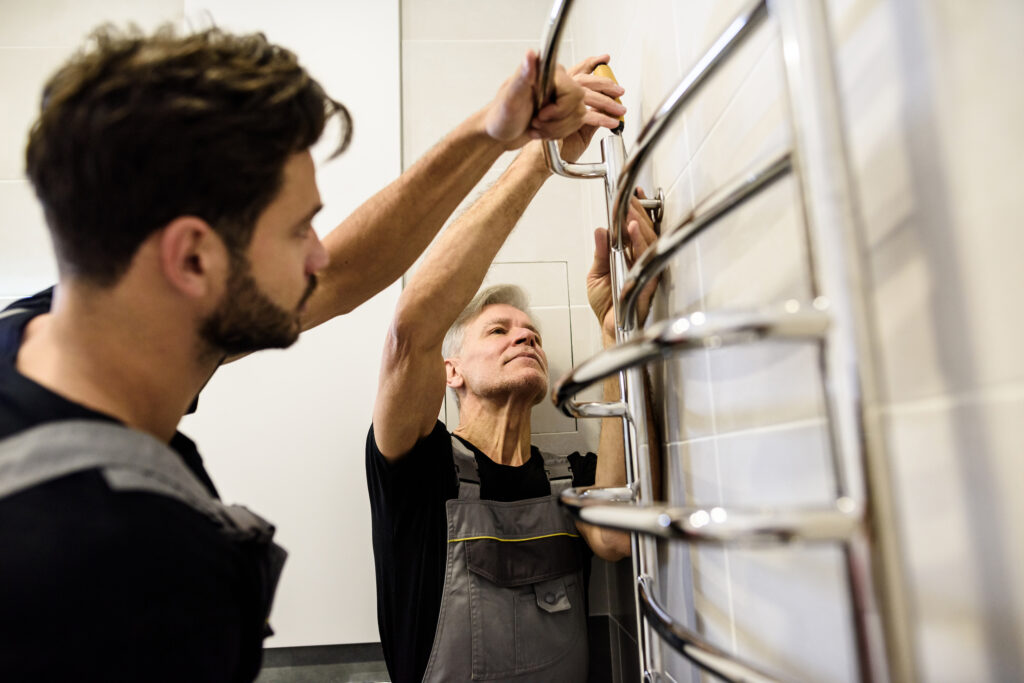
606 71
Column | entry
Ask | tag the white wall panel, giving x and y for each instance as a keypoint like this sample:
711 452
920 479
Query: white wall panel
285 431
66 23
27 264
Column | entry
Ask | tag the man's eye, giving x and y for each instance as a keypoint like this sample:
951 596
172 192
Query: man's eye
497 330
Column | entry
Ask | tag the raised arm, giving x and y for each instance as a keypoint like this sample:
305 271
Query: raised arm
412 380
611 461
383 237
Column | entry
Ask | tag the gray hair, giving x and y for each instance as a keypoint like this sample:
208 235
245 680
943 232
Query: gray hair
510 295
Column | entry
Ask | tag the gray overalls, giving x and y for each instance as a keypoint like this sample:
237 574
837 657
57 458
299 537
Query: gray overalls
130 460
513 601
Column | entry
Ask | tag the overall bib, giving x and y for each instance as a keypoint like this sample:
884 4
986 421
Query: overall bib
130 460
513 601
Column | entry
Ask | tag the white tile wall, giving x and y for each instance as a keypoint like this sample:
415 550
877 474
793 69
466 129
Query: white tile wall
781 466
934 124
958 471
789 612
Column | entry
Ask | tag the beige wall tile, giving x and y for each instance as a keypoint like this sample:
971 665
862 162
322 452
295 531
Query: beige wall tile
957 469
746 133
790 617
785 466
745 66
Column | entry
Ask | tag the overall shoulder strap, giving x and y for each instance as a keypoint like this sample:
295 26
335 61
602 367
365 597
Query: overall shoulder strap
128 459
11 312
558 471
465 470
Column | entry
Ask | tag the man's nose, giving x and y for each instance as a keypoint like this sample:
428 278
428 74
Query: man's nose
526 336
317 258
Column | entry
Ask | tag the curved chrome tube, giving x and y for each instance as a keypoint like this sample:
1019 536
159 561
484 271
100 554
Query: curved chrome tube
548 62
790 321
670 108
694 647
658 255
614 508
583 496
596 409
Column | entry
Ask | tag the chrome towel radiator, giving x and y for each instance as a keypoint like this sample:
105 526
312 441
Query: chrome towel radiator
836 319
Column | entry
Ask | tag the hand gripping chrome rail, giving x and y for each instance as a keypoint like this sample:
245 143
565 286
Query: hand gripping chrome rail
548 63
658 255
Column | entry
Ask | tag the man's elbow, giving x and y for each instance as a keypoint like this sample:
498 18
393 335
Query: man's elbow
612 546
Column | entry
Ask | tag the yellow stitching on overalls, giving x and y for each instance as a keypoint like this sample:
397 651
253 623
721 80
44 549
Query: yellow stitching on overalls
512 540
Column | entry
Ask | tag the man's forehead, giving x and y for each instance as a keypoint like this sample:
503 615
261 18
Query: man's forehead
493 313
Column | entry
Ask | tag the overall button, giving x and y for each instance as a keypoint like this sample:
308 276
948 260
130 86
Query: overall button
550 598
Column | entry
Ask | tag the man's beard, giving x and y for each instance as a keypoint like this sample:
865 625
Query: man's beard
247 320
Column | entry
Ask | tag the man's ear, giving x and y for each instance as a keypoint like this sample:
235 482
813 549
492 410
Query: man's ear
453 377
193 257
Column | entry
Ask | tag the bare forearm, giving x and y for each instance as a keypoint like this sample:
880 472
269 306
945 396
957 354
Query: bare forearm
609 544
383 237
452 272
611 458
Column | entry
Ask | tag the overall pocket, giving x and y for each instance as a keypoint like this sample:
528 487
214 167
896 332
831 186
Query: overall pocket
526 604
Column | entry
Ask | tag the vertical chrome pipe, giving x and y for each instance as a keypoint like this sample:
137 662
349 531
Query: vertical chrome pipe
634 428
874 566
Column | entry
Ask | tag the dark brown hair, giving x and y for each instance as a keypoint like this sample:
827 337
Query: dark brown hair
137 130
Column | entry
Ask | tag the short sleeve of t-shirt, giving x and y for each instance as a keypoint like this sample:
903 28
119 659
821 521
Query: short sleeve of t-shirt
407 506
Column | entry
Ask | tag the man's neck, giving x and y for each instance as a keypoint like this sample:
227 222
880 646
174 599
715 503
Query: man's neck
104 357
500 431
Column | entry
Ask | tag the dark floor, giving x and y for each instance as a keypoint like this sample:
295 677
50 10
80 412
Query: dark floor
324 664
612 659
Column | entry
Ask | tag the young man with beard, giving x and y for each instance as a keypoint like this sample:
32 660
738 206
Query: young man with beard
179 190
480 573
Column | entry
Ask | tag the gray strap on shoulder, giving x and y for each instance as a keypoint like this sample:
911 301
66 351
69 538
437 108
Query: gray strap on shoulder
11 311
465 470
559 472
129 461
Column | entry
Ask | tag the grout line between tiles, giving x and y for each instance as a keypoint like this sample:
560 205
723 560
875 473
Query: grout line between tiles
781 427
1000 393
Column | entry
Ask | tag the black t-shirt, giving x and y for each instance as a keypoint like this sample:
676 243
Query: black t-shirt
407 506
114 586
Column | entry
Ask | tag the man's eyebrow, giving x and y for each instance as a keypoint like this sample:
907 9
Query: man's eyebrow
507 322
309 216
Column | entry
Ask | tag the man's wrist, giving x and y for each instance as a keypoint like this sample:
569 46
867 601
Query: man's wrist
533 156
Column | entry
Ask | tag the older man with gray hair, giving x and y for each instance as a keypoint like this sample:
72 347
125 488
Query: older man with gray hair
480 573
